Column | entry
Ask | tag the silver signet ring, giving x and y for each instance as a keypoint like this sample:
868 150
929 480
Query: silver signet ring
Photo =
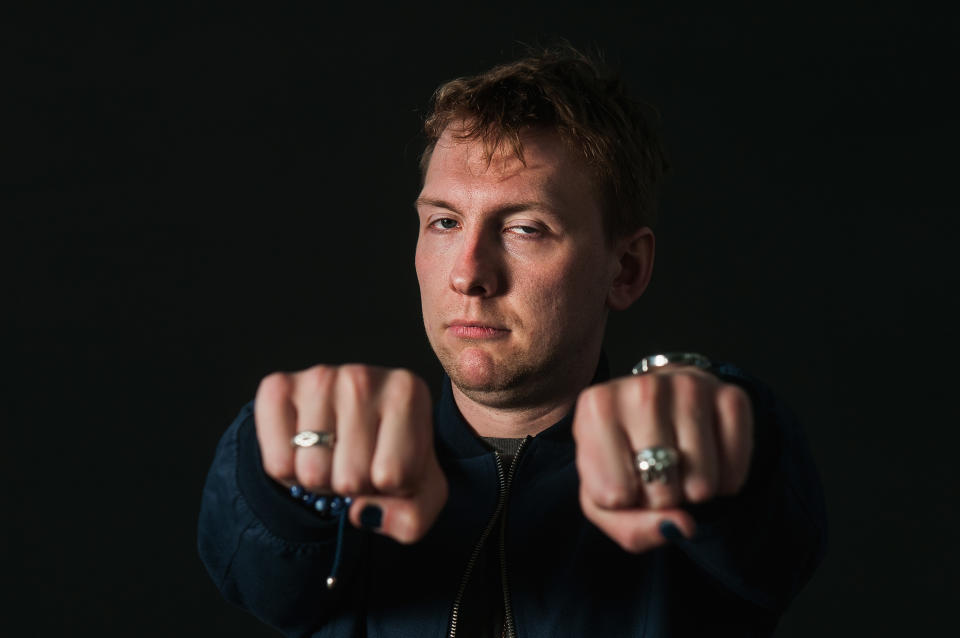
310 438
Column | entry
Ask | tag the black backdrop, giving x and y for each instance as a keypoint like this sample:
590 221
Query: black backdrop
197 197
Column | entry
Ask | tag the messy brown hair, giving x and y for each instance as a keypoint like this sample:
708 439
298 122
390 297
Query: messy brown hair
564 90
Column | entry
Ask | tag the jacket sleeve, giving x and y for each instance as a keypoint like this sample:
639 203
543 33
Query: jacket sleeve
264 551
764 543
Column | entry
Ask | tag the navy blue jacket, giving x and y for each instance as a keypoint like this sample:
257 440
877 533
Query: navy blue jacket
564 577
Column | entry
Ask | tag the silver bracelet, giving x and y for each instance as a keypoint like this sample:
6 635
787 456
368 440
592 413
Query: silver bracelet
652 361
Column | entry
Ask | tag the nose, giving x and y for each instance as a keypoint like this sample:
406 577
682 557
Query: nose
477 271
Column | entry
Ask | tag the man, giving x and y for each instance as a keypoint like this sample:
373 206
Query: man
538 496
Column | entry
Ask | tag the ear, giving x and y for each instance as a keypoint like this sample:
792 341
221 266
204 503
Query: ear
635 267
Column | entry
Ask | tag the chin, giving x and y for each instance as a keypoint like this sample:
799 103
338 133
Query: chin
476 369
490 380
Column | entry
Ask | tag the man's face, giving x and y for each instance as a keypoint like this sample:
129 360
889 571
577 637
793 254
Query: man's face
514 269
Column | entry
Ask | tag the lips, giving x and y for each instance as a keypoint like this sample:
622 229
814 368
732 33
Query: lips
466 329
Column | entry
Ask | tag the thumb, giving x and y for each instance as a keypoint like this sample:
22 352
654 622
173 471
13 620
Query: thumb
405 519
638 530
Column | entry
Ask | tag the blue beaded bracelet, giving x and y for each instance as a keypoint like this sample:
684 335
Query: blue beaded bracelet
326 505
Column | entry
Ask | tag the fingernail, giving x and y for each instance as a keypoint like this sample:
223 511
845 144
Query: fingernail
670 531
371 517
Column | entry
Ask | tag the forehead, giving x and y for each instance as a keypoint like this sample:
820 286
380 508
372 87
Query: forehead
465 171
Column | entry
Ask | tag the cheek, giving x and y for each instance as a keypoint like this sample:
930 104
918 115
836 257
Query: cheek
568 294
432 261
426 271
432 279
423 279
553 294
419 261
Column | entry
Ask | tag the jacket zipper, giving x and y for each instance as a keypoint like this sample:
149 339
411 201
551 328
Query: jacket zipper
510 630
504 484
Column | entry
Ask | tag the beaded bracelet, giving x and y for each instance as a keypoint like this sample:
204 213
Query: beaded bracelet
327 506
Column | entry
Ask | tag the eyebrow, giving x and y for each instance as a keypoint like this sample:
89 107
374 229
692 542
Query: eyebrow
502 210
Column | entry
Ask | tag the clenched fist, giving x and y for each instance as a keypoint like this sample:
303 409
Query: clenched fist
710 424
383 455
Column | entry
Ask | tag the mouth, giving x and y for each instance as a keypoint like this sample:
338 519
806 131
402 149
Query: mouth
464 329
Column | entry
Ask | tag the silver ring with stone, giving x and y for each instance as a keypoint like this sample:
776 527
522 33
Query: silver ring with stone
653 463
311 438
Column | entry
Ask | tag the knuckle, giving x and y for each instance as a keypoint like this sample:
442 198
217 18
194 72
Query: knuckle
317 379
585 399
594 402
699 490
404 389
584 425
686 385
612 496
389 477
405 382
639 390
311 477
578 430
350 482
275 388
650 388
358 381
734 399
344 485
278 467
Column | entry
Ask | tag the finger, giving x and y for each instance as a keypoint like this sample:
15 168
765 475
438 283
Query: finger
405 435
315 412
636 530
604 455
646 410
406 520
357 425
696 439
275 420
735 432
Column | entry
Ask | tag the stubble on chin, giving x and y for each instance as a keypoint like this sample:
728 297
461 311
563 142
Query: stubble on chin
492 381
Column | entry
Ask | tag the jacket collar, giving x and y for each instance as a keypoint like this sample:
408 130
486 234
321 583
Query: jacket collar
458 439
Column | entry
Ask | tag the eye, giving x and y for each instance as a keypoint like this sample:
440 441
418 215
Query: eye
524 231
444 223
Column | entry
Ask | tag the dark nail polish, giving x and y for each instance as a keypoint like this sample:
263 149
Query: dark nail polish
371 517
670 531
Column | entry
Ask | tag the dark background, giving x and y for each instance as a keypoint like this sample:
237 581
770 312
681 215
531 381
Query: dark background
195 198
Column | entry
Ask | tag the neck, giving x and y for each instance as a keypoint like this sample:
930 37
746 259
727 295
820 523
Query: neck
502 420
511 423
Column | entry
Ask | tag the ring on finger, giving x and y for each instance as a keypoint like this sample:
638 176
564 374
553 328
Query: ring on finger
311 438
654 463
